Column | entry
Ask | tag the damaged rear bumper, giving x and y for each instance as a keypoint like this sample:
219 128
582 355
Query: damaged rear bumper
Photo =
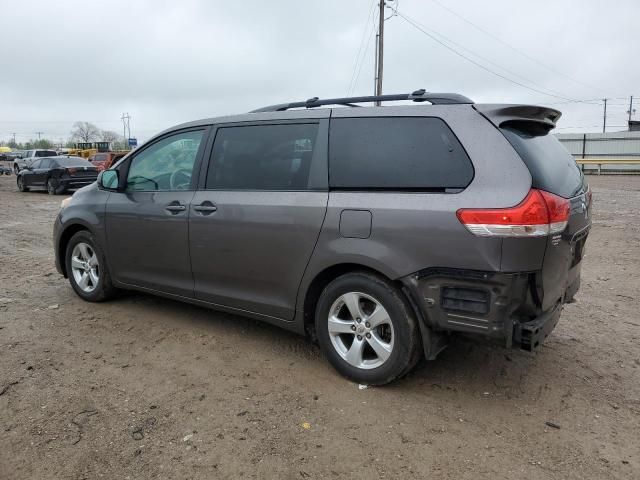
503 308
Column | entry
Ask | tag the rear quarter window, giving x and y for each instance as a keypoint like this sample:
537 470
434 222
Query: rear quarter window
396 153
552 167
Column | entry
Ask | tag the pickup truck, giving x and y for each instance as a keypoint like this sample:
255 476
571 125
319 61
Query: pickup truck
21 161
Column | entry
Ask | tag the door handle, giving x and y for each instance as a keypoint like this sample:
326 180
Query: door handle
175 208
205 208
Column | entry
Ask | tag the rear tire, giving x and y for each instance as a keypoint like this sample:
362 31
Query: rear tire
53 188
367 329
87 270
21 186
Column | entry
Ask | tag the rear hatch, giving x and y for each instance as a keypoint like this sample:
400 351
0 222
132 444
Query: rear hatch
555 171
77 168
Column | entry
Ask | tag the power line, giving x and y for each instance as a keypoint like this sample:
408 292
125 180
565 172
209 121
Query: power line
362 43
506 44
418 27
368 43
511 72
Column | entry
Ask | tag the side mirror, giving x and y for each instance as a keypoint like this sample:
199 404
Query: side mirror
19 156
109 179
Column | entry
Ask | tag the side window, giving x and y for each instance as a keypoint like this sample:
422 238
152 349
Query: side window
165 165
35 164
46 163
395 153
262 157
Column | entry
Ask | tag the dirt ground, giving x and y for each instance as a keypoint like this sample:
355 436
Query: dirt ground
143 387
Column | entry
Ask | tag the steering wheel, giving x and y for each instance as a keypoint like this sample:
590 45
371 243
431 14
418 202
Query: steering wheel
180 179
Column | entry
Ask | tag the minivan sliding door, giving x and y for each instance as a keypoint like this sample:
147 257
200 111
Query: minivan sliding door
254 224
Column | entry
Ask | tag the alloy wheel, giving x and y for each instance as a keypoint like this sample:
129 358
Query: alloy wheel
360 330
85 267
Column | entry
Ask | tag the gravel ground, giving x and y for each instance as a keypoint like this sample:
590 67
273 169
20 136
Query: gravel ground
143 387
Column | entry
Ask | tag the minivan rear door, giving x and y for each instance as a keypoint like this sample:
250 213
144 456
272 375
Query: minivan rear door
554 170
255 220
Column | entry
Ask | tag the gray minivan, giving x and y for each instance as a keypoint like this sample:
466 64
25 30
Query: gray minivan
377 231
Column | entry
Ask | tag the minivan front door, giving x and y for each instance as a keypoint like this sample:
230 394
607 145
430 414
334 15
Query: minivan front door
255 223
147 223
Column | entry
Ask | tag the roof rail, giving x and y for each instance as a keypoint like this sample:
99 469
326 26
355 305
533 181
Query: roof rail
417 96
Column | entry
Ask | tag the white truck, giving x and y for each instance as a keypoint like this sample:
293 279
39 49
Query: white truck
24 159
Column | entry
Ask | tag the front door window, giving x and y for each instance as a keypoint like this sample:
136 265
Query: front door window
166 165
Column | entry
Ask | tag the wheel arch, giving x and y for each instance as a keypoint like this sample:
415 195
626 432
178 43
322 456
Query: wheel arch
65 237
326 276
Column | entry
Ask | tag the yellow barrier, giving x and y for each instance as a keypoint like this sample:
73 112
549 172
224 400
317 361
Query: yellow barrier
607 161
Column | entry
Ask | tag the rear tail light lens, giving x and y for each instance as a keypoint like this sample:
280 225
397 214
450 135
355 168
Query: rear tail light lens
540 213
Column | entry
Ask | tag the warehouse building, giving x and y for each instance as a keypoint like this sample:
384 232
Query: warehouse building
610 147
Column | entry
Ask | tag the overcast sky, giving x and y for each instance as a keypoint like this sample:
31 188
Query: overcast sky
165 62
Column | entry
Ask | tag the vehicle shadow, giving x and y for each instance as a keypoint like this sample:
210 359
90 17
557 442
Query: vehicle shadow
464 365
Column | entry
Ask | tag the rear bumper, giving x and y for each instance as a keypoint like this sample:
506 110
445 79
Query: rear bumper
497 307
76 182
531 334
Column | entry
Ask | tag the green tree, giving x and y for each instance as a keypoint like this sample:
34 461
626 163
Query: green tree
42 143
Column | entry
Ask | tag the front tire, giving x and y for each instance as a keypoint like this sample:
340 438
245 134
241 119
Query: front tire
16 169
367 329
87 268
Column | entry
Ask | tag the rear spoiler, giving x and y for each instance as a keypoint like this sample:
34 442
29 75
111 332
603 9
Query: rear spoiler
500 115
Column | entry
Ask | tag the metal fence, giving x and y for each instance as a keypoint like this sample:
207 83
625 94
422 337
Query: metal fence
615 150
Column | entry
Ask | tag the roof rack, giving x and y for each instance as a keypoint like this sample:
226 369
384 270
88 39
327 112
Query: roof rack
417 96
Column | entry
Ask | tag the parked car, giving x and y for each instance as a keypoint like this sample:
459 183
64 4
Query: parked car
378 231
5 170
8 156
57 174
26 157
105 160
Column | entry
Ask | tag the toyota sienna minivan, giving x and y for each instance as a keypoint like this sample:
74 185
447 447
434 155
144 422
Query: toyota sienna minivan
378 231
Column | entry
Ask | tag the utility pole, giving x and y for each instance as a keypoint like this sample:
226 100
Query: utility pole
39 134
380 50
631 110
604 118
126 127
14 137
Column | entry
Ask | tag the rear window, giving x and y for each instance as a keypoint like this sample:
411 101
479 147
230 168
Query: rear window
395 153
552 167
73 162
46 153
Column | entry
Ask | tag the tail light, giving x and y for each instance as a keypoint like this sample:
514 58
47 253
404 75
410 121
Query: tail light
540 213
